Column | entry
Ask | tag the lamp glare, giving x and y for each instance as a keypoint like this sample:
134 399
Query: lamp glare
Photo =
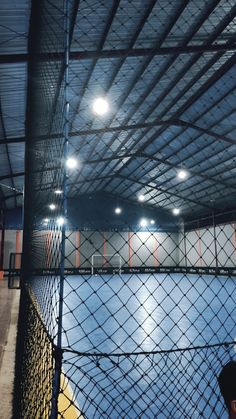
176 211
71 163
60 221
182 174
100 106
143 222
141 198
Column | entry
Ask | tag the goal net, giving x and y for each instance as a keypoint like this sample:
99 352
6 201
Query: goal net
110 263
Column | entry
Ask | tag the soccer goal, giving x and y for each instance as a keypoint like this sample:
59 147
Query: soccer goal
111 263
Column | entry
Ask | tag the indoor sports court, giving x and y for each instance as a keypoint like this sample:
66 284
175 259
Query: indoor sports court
118 213
141 321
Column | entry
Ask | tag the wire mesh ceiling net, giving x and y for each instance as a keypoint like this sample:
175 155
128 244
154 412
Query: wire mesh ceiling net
128 273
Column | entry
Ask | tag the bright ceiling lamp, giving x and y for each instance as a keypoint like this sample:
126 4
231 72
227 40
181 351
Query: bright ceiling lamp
60 221
143 222
100 106
58 192
52 207
152 222
182 174
176 211
141 198
71 163
118 210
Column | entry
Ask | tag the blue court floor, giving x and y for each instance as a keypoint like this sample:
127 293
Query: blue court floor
154 314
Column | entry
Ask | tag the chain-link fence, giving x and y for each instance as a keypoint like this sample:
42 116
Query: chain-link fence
128 286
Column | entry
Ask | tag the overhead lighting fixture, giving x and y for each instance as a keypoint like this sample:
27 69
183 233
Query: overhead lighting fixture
141 198
118 210
58 192
152 222
100 106
52 207
182 174
176 211
71 163
143 222
60 221
46 221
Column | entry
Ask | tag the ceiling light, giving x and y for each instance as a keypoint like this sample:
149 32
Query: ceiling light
176 211
100 106
118 210
182 174
141 198
71 163
60 221
58 192
152 222
143 222
52 207
46 221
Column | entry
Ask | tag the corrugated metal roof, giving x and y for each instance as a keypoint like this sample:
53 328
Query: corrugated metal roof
14 26
170 108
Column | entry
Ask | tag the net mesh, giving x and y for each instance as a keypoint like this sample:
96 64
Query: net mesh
109 262
150 339
35 363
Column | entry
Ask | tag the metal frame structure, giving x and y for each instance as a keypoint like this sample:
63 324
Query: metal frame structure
199 59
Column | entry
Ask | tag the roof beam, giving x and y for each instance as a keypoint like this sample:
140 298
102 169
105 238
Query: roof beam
179 196
12 140
166 162
144 52
152 124
156 123
119 53
15 195
9 176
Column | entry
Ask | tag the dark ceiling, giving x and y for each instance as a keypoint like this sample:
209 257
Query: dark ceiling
167 69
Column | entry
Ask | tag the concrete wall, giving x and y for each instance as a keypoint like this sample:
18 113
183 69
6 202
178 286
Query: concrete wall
135 249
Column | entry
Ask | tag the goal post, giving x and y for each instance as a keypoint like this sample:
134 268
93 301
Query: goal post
111 262
14 270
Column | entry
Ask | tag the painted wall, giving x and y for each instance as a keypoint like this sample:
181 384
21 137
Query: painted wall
135 248
206 247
